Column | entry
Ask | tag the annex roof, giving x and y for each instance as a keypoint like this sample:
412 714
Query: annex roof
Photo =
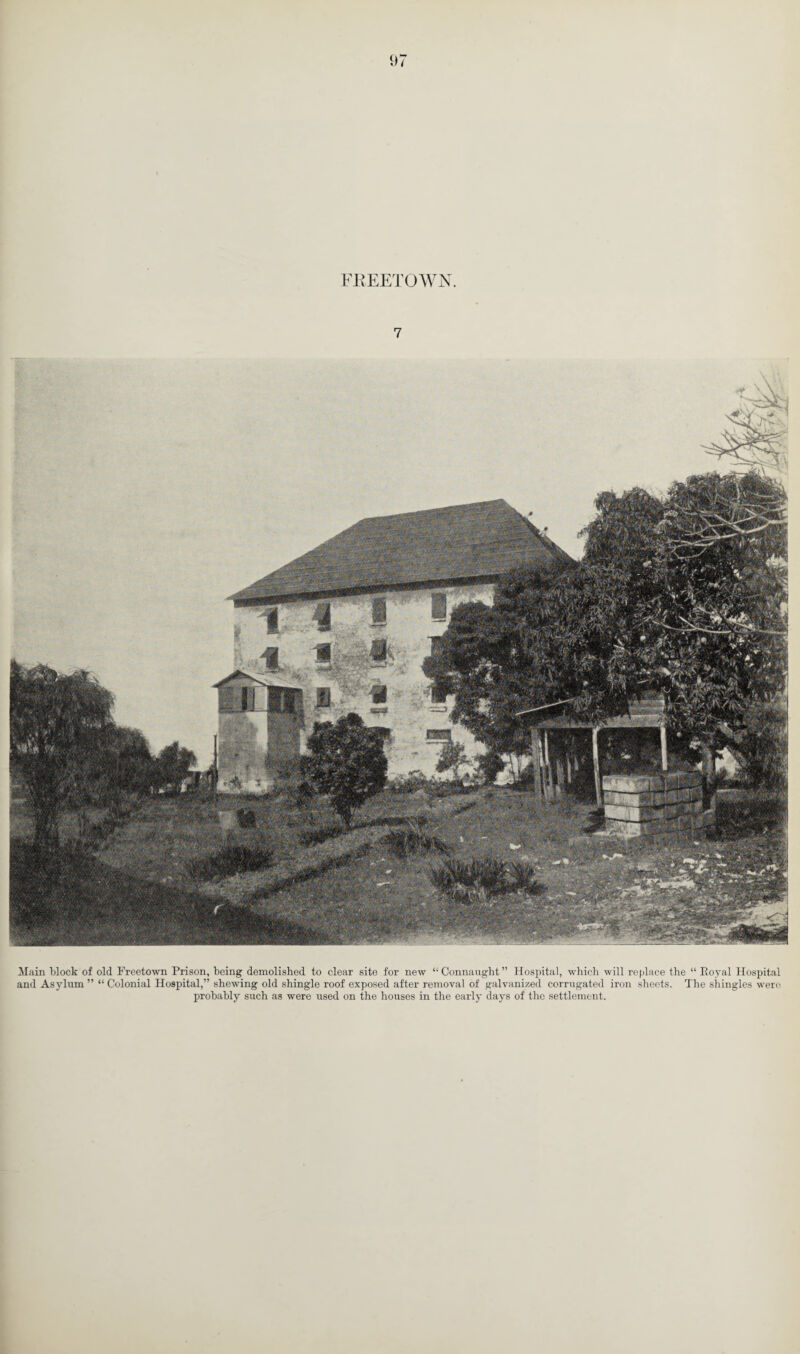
263 679
438 545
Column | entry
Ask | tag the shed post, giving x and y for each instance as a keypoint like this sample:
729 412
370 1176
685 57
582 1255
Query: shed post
549 792
536 756
560 768
598 784
664 753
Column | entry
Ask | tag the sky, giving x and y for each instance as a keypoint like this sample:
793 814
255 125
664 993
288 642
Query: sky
146 492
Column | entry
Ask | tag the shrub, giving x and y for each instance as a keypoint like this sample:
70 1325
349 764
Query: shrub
471 881
412 780
490 764
764 744
450 757
347 762
523 877
413 839
231 859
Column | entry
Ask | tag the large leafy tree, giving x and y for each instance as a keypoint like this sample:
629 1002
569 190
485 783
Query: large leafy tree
632 614
56 720
346 761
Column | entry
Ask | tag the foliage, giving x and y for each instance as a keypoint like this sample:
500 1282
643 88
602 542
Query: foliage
172 766
347 762
234 858
764 744
55 724
413 839
490 764
450 757
118 769
471 881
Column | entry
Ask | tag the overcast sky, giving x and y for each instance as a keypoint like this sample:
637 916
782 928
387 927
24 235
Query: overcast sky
147 492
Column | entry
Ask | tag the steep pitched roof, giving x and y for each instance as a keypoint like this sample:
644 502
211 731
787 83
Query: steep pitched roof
468 541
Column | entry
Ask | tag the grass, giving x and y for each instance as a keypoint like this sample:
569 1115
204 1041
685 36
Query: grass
568 886
85 902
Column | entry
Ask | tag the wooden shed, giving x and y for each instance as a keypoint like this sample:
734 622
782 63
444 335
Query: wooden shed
555 732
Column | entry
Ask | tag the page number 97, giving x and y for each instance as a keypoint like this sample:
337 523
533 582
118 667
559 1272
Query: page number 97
398 58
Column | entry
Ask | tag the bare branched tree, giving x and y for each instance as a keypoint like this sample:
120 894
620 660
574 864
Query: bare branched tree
746 502
757 433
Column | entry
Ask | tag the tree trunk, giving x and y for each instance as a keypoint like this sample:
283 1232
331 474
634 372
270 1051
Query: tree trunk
710 783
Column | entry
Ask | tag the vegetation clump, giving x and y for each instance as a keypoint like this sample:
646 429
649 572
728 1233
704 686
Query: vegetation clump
413 839
231 859
347 762
472 881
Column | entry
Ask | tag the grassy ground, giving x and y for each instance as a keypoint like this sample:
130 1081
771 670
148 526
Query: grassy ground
593 889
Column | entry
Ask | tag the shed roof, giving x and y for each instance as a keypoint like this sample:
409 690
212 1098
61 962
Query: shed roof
647 711
439 545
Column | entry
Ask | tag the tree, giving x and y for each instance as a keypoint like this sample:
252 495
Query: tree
757 432
347 762
120 767
172 766
703 628
56 720
747 501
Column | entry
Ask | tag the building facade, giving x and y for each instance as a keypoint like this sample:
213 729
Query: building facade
348 626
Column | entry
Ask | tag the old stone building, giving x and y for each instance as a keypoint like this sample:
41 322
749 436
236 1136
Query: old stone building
346 627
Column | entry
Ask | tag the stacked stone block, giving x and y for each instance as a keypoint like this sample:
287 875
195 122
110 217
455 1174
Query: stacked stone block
658 804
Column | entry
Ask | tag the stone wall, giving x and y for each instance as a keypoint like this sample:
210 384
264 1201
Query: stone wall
663 804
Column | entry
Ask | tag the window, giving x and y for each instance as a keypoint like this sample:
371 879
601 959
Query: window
227 698
439 606
323 655
379 611
279 700
438 694
386 734
270 657
248 698
439 735
436 645
378 651
322 615
271 615
379 695
323 697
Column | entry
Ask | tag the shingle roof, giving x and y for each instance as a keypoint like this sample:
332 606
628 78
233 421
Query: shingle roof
263 679
468 541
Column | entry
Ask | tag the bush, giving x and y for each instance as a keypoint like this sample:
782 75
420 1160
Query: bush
413 839
231 859
450 757
347 762
412 780
764 745
471 881
490 764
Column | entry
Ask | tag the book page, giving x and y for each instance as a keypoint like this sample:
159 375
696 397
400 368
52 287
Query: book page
315 324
